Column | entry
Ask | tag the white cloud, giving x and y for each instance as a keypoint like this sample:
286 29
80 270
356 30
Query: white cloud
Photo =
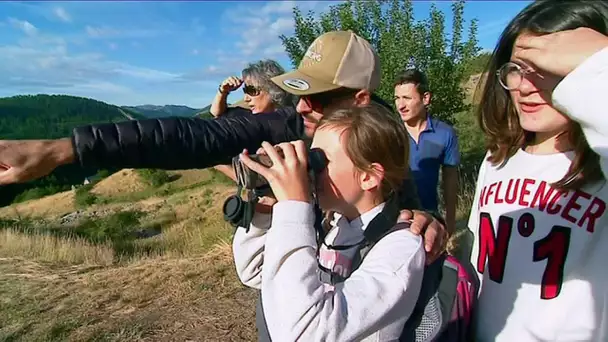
108 32
52 66
145 74
24 25
279 7
200 75
61 14
260 28
113 46
100 32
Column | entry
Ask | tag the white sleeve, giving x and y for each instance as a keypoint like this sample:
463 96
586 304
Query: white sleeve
583 96
382 292
248 250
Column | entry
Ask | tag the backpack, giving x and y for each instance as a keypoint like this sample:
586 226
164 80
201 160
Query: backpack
448 295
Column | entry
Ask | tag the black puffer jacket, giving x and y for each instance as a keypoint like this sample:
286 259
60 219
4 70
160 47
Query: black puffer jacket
182 143
193 143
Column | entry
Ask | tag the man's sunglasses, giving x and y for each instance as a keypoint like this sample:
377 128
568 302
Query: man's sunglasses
251 90
319 101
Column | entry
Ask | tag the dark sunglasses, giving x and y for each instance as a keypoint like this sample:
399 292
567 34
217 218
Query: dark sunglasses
319 101
251 90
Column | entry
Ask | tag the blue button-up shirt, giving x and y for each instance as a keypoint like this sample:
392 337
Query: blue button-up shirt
437 146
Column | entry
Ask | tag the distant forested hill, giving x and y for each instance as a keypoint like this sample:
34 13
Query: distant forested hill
48 117
54 116
204 113
151 111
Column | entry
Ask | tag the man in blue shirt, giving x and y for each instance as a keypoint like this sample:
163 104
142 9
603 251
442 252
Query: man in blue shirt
433 144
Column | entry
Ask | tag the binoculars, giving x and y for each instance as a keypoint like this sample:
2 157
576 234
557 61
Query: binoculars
239 212
251 180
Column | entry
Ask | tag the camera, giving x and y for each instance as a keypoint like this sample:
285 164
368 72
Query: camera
251 180
239 212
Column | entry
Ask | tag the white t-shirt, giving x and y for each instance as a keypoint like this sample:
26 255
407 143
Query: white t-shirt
542 255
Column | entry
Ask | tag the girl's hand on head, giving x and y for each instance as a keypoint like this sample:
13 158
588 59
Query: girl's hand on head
288 176
561 52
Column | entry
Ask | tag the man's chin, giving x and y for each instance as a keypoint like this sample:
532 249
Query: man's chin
309 128
309 132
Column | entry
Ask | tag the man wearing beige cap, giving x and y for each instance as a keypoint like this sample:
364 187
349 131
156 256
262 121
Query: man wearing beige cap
338 67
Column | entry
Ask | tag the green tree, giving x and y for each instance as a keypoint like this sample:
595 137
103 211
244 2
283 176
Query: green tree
401 42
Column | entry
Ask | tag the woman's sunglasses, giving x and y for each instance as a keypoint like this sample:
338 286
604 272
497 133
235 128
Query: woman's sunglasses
251 90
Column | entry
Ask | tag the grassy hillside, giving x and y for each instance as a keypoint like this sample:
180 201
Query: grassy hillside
48 117
148 263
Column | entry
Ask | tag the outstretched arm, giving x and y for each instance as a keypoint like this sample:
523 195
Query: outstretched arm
166 143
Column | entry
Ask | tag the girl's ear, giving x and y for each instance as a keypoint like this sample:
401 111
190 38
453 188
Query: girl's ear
368 180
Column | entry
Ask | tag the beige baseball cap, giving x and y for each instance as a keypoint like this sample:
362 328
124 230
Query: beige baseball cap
334 60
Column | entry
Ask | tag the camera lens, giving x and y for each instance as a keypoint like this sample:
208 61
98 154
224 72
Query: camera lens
233 209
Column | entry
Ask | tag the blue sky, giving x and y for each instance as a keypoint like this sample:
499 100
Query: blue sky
131 53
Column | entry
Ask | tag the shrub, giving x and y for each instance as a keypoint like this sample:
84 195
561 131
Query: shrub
154 177
83 196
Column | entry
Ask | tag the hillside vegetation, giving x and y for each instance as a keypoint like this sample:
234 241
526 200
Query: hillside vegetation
48 117
152 111
53 116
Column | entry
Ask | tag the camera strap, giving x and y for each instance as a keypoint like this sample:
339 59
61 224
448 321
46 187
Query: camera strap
317 208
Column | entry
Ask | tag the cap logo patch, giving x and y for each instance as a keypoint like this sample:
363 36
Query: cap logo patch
315 56
297 84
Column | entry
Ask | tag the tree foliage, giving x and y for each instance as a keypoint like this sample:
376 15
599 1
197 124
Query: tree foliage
401 42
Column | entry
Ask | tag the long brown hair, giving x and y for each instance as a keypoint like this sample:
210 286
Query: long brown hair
496 113
372 134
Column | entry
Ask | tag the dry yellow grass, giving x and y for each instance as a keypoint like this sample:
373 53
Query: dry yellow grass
123 181
69 289
188 177
49 207
49 249
197 299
